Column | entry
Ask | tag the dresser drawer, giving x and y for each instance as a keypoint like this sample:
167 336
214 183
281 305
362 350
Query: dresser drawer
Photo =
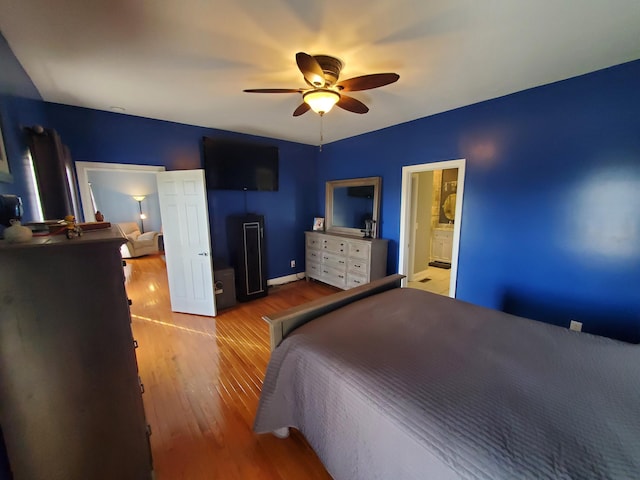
314 242
314 269
358 267
359 250
355 280
314 256
334 276
333 260
334 245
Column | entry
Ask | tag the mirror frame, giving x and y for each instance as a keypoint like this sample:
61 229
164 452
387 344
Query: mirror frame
352 182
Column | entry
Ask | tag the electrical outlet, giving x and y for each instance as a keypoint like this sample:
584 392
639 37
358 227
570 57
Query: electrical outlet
293 264
575 326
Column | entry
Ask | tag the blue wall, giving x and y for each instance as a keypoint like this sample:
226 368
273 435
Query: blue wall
98 136
550 226
551 222
115 138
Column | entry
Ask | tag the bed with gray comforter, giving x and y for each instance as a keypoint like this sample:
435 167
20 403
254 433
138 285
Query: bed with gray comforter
405 384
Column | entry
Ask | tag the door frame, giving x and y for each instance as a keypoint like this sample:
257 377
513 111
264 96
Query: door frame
405 216
83 169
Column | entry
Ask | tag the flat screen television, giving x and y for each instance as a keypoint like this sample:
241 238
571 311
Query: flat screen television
234 165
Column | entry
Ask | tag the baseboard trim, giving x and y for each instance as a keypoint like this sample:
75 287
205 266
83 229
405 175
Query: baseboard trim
285 279
420 276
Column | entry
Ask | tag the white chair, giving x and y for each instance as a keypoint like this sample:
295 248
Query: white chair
138 244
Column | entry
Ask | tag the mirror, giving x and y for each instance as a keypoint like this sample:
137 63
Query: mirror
448 194
449 206
352 204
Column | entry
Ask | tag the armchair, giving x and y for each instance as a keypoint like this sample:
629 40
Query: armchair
138 244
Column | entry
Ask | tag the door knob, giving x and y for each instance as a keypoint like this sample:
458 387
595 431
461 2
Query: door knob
203 254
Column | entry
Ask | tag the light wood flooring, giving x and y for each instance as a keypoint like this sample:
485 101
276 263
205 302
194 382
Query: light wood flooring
438 281
202 378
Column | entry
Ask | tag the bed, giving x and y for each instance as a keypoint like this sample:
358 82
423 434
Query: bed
395 383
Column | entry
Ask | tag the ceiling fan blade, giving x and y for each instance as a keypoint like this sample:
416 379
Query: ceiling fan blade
352 105
302 108
273 90
366 82
311 69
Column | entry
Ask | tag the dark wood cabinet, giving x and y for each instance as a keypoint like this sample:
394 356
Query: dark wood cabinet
246 242
70 396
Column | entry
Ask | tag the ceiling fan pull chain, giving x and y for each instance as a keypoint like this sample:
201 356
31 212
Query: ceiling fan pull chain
321 130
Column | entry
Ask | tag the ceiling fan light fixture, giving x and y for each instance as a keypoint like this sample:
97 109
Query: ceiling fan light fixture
321 100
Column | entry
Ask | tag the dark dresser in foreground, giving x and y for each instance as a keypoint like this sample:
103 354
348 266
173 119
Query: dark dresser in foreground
70 395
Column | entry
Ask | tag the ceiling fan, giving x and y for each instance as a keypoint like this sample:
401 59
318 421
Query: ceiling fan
321 74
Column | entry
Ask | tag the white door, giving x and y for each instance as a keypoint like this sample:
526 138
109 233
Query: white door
187 243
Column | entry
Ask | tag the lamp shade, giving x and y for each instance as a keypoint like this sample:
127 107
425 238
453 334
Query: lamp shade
321 100
139 198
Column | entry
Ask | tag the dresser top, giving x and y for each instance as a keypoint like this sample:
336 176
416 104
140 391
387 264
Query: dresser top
349 237
106 235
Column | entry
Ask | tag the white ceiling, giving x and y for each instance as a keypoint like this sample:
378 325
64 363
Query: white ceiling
188 61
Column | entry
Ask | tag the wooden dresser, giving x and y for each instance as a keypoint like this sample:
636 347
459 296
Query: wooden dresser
70 396
344 261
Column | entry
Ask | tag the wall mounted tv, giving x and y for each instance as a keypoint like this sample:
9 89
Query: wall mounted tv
235 165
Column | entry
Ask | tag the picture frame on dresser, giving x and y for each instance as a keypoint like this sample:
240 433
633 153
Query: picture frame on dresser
318 224
5 170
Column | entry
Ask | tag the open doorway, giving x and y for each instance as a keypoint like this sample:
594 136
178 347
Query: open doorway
431 213
121 192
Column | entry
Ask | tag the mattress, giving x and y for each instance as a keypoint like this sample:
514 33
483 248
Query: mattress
407 384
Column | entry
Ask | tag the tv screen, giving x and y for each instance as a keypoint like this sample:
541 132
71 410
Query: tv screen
233 165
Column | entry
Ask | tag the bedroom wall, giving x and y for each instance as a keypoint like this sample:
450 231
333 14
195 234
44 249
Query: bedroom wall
97 136
550 226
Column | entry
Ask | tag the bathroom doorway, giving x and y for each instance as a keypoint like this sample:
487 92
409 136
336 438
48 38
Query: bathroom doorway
431 212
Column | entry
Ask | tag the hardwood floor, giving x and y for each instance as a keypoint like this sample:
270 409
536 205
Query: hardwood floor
202 378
